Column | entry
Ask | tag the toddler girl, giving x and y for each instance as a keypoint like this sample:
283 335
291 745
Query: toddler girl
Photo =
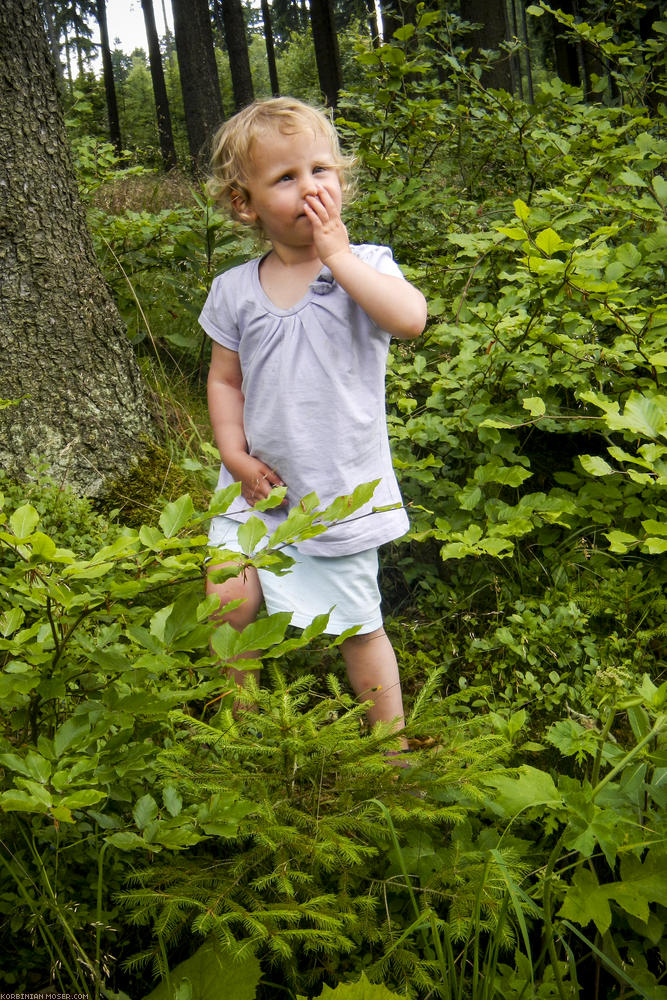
296 384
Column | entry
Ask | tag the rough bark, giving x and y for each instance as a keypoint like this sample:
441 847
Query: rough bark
270 48
494 29
165 133
327 55
199 76
237 49
107 72
65 358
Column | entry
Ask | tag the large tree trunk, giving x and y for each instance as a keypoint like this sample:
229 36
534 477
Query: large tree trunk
65 359
492 16
270 48
162 112
237 49
199 76
107 72
327 54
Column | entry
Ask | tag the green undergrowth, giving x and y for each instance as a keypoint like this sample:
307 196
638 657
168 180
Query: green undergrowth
150 832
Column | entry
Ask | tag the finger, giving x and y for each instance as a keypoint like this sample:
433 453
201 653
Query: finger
314 203
325 198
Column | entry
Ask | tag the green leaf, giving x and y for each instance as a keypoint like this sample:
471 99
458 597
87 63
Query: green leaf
631 178
345 505
508 475
222 814
207 970
629 255
659 185
71 731
274 499
596 466
641 883
534 405
530 788
521 209
11 621
469 497
172 799
250 534
18 801
229 644
128 841
655 546
24 520
644 415
548 241
620 541
81 799
223 499
175 515
15 763
145 811
361 990
584 902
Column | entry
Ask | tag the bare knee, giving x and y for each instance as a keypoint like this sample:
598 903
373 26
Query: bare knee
359 642
244 588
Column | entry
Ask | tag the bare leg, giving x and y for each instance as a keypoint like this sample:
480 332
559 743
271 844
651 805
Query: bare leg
243 587
373 673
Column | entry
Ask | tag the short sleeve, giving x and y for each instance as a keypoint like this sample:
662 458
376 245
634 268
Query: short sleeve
380 258
219 318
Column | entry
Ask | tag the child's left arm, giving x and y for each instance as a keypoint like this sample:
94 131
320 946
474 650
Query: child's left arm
393 303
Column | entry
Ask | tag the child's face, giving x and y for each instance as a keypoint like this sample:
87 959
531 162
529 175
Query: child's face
284 169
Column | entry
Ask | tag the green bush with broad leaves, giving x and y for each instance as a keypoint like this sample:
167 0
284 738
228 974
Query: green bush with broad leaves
528 425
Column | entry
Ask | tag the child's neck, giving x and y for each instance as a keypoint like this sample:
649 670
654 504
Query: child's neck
285 277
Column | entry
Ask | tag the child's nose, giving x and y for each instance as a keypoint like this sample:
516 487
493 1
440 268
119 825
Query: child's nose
308 186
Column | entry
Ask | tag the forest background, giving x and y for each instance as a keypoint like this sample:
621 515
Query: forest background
152 844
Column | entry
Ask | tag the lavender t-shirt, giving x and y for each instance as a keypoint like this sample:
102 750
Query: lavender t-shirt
313 384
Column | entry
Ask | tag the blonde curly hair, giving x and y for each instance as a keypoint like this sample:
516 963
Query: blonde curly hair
233 142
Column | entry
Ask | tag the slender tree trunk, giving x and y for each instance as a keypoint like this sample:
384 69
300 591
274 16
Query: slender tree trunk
523 23
54 42
237 50
68 63
373 25
270 49
515 62
327 55
165 133
492 15
199 76
107 71
66 361
168 37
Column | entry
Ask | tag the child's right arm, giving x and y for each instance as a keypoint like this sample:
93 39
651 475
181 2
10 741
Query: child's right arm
225 406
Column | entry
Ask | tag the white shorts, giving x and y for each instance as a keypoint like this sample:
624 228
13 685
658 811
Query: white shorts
316 584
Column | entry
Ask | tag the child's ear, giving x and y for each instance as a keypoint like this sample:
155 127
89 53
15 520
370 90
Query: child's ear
241 205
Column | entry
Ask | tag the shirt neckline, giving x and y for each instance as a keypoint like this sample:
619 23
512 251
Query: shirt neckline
268 303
